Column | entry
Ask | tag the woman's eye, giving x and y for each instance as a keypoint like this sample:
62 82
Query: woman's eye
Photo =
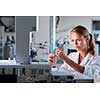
72 40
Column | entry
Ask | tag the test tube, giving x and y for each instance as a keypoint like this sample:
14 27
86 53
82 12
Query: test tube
54 65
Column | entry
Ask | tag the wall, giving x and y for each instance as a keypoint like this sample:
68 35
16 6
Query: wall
72 21
43 33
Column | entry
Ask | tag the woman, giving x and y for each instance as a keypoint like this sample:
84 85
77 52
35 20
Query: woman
85 59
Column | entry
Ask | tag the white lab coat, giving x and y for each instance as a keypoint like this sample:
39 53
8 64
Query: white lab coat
90 62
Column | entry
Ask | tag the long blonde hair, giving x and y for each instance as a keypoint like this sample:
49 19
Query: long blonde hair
84 32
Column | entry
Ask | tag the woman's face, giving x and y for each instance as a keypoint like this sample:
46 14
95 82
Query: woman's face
78 41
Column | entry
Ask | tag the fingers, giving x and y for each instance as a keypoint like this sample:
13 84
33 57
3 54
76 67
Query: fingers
50 58
59 51
50 55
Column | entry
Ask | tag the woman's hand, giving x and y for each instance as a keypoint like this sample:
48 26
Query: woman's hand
50 58
60 53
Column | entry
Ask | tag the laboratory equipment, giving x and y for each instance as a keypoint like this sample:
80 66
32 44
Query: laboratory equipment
8 52
54 67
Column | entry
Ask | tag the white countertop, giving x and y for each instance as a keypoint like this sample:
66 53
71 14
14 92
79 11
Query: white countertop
13 64
8 62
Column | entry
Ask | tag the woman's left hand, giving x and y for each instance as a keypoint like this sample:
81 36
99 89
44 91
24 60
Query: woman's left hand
60 53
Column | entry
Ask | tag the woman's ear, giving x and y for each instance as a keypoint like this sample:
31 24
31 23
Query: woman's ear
88 38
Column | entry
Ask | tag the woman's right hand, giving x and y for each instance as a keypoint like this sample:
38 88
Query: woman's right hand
50 58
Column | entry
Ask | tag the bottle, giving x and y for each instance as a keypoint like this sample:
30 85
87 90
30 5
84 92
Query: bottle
54 65
11 52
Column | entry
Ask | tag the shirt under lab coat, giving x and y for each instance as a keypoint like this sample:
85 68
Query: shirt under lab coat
90 62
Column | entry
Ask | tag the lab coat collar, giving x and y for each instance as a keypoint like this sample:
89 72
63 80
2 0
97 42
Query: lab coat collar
87 59
77 57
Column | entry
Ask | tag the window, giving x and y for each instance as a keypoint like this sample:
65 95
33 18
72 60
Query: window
96 25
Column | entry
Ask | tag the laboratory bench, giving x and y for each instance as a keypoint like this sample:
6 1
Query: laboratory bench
11 72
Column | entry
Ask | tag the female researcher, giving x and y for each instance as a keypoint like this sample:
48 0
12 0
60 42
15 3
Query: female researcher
85 59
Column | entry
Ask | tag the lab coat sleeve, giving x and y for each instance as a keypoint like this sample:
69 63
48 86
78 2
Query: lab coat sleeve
93 69
64 67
